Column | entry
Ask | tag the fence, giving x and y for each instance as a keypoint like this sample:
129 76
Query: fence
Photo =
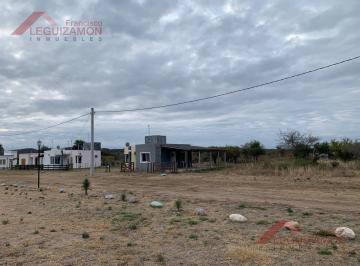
127 167
42 167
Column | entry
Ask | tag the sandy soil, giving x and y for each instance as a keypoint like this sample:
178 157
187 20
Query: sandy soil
46 227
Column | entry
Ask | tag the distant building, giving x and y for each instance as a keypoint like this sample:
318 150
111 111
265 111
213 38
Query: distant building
156 153
8 159
71 158
28 157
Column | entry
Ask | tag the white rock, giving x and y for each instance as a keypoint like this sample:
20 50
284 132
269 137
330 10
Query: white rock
292 225
344 232
156 204
132 199
109 196
3 184
62 190
237 218
200 211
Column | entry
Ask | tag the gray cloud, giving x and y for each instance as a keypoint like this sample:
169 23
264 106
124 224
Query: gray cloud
159 52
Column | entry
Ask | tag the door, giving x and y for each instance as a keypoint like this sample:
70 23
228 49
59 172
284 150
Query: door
23 161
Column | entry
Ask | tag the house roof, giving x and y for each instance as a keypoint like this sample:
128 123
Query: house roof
188 147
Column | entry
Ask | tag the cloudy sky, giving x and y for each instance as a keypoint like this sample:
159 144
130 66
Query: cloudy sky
160 52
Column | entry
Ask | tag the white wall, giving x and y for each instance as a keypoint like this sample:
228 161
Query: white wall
69 157
6 161
28 158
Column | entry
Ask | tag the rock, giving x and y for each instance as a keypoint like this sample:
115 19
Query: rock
3 184
162 174
292 225
237 218
109 196
200 211
344 232
62 190
132 199
156 204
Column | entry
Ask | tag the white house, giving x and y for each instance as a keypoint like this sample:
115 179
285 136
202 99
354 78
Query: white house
29 158
74 158
8 159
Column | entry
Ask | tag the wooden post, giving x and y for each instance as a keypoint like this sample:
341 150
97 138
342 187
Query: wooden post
199 158
211 160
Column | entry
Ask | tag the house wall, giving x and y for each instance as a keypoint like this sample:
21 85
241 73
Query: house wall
155 155
70 157
28 159
130 154
6 161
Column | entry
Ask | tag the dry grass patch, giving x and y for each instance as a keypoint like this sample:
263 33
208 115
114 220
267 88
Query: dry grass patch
250 255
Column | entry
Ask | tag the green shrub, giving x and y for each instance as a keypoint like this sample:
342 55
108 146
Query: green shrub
193 237
178 204
85 235
86 185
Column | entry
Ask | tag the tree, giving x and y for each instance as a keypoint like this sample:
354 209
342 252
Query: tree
232 153
1 149
253 149
345 149
322 148
78 144
300 144
86 185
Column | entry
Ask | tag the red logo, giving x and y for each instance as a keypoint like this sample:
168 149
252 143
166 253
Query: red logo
31 20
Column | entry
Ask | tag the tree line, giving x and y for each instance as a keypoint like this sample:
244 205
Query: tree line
299 145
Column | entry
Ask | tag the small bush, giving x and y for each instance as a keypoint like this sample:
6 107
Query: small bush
192 222
160 258
193 237
36 232
123 196
289 210
132 226
325 252
178 204
324 233
86 185
5 221
85 235
52 230
307 214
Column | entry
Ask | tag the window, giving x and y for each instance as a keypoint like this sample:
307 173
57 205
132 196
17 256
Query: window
144 157
78 159
55 159
2 162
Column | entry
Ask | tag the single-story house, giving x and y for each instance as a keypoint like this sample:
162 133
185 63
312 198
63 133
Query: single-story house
7 160
28 157
71 158
156 154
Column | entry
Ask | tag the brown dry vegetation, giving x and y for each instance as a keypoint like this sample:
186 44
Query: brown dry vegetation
46 227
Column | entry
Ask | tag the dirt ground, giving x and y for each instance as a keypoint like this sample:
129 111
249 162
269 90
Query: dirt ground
48 227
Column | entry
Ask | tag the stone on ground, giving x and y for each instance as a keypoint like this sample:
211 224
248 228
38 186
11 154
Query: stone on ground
132 199
156 204
200 211
344 232
235 217
292 225
62 190
109 196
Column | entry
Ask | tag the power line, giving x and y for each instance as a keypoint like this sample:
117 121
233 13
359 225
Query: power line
189 101
45 128
231 92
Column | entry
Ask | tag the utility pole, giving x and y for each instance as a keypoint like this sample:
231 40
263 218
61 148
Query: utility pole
92 170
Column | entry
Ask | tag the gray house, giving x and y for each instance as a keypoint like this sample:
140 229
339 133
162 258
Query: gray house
157 155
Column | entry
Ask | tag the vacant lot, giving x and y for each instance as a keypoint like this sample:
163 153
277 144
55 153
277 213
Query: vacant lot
49 228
